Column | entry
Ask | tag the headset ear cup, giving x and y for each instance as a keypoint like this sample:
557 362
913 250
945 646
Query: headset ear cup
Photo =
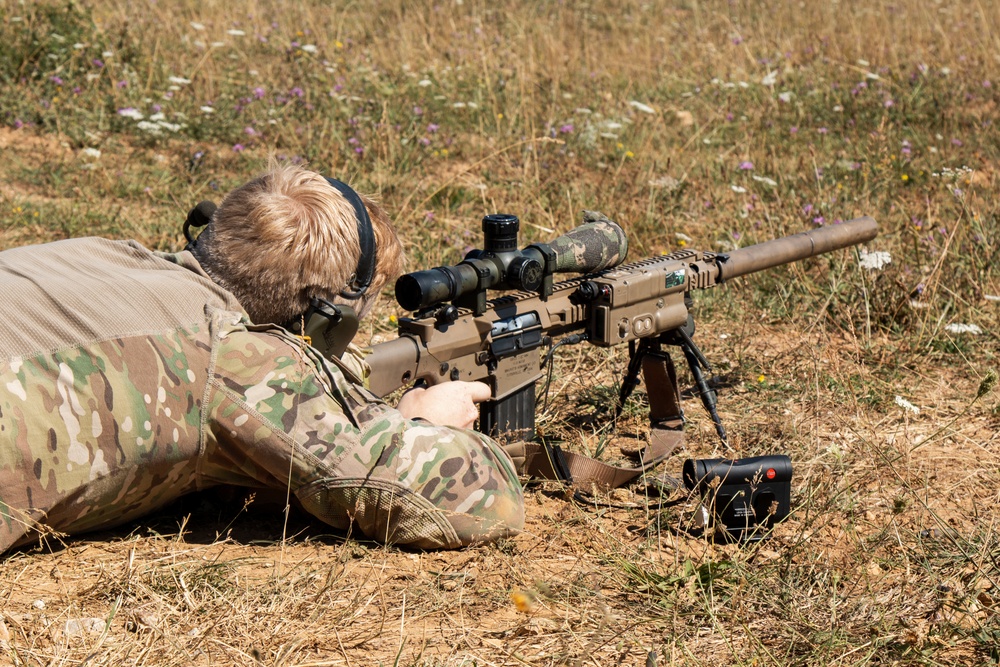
365 273
199 216
330 328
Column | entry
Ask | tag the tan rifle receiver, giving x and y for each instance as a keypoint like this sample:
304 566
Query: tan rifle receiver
458 334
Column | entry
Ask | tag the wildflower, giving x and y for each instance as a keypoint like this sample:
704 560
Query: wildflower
417 111
738 189
524 601
56 80
130 112
179 80
746 165
629 154
207 109
91 152
250 132
97 62
433 127
819 220
958 328
761 378
793 130
644 108
956 142
873 261
822 130
122 84
297 92
785 97
309 48
423 83
888 104
905 177
987 84
566 129
906 405
238 148
770 78
765 180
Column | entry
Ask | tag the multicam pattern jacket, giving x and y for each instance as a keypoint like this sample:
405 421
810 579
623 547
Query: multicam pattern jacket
128 378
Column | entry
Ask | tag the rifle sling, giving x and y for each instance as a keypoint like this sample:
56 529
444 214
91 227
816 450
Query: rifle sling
587 473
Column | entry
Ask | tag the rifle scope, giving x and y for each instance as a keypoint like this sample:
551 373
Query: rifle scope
591 247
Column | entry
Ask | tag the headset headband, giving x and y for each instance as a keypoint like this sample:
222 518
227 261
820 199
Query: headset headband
365 272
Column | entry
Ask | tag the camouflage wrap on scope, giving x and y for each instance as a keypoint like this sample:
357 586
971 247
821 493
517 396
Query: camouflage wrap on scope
173 391
596 245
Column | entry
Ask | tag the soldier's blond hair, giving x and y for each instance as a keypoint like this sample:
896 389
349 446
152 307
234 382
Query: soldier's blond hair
288 236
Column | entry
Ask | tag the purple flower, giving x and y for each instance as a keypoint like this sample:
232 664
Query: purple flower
807 209
297 92
746 165
18 123
987 84
736 236
156 108
433 127
258 93
730 116
338 88
417 111
424 141
819 220
122 84
359 150
56 80
888 104
566 129
77 90
97 62
429 215
956 142
793 130
238 148
250 132
822 130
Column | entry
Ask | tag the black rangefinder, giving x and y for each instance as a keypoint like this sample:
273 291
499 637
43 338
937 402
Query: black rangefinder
743 497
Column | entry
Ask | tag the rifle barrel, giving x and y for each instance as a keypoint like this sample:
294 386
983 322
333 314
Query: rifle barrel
797 246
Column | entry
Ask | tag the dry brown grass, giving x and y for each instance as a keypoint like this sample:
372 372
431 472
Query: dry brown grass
890 555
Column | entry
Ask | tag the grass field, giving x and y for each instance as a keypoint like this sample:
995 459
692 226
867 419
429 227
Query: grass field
707 124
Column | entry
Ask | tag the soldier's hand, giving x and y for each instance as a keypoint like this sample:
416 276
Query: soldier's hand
446 404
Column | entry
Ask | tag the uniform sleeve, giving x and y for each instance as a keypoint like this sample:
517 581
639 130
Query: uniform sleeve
281 416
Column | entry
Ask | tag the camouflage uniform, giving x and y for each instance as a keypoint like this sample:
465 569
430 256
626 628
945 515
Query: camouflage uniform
128 378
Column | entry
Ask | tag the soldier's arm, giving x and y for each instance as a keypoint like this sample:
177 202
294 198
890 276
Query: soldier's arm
288 419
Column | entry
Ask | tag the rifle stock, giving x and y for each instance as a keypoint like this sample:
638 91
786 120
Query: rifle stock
499 341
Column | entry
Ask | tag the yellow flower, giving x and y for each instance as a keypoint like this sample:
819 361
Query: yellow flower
524 601
629 154
499 116
761 378
905 177
338 44
393 319
681 242
620 145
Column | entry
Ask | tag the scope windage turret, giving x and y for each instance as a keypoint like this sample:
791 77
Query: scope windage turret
592 247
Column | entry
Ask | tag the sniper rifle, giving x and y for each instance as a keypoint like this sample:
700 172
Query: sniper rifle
457 333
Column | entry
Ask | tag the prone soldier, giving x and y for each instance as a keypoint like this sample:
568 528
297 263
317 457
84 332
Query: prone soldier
129 378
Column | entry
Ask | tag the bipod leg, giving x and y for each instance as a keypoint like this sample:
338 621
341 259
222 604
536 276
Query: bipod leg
631 380
696 362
